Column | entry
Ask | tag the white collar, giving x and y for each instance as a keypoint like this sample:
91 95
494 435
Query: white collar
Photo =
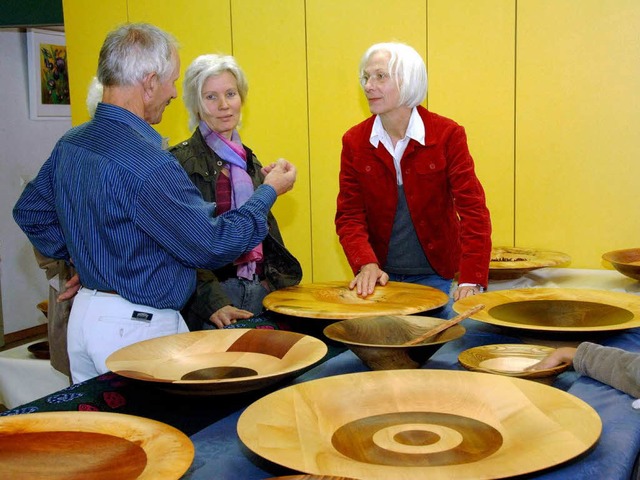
415 129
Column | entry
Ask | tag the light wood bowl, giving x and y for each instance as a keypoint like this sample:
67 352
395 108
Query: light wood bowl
419 424
95 445
377 341
512 262
310 477
626 261
509 359
334 300
556 309
218 362
43 306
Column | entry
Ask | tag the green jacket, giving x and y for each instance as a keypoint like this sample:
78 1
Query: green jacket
281 268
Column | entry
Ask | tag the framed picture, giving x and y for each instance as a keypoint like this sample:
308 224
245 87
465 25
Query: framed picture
48 75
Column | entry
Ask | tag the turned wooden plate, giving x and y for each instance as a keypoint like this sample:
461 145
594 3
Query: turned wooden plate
218 362
415 424
625 261
334 300
509 359
96 445
512 262
378 341
556 309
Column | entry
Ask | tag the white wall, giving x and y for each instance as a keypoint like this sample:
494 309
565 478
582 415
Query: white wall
24 146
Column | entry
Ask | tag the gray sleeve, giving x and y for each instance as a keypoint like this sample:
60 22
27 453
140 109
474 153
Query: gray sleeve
610 365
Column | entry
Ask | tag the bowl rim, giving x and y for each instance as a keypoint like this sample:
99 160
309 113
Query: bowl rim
458 329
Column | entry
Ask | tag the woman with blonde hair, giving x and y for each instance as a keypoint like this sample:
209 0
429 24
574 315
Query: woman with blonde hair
226 172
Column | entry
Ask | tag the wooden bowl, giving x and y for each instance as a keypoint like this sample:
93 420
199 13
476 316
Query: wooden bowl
377 341
96 445
40 350
512 262
626 261
310 477
218 362
556 309
334 300
419 424
509 359
43 306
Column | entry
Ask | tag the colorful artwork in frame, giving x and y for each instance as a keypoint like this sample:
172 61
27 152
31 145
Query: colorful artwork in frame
48 75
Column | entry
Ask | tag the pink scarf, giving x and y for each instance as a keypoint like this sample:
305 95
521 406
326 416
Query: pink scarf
232 152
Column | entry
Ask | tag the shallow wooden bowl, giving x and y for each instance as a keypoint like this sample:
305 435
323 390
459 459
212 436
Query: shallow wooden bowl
509 359
556 309
218 362
512 262
626 261
419 424
95 445
334 300
377 341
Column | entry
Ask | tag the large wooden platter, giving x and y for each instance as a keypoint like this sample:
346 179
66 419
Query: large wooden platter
509 359
417 424
556 309
334 300
95 445
218 362
513 262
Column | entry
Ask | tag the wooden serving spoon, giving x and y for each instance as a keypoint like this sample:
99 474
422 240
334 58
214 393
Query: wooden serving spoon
445 325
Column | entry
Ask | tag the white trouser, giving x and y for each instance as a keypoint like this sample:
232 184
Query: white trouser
101 323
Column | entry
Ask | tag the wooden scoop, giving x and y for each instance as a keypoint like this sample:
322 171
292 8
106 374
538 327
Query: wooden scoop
445 325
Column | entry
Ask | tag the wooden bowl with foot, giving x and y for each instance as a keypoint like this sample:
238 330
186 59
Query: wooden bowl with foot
218 362
380 342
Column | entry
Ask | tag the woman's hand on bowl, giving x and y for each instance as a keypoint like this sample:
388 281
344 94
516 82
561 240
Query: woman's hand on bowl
555 358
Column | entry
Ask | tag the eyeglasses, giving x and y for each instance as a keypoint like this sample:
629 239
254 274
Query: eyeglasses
376 78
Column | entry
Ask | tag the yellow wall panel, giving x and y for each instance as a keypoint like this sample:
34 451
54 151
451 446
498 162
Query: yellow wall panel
338 33
560 76
471 62
274 118
578 108
204 26
85 29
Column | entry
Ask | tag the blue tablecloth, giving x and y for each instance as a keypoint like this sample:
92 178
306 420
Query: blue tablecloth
211 421
220 454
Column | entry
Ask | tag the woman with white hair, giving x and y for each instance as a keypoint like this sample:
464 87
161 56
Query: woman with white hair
410 207
226 172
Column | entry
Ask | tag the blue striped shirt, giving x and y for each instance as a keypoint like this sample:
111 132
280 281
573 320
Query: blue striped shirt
128 215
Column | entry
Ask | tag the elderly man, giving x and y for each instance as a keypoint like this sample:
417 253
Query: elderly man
122 210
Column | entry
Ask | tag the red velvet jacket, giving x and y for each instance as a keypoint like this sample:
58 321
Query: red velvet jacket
445 199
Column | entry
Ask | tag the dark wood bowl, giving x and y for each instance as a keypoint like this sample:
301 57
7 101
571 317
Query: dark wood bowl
40 350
